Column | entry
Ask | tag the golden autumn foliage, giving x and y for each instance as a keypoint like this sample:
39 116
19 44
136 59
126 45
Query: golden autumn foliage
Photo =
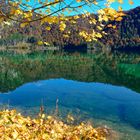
13 126
61 11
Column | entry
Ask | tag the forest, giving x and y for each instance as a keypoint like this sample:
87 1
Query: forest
69 70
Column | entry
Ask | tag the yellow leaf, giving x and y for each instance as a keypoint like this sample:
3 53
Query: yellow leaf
66 36
40 43
114 27
99 28
98 35
49 117
43 116
120 1
18 12
119 19
22 25
131 2
48 28
62 26
70 118
78 0
95 2
120 8
15 134
46 43
111 1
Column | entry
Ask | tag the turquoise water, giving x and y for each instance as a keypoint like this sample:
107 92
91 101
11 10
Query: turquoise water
103 104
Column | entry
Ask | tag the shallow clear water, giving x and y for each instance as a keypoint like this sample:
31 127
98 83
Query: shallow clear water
104 104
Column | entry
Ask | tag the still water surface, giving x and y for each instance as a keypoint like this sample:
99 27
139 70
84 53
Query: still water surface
105 104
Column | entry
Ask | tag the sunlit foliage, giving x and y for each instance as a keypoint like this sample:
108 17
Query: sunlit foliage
61 12
14 126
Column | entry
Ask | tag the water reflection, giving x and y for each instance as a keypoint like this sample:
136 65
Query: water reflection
98 100
117 106
15 71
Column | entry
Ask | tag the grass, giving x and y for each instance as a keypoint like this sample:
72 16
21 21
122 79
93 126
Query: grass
131 69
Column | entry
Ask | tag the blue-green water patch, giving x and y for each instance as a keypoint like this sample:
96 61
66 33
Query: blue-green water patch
105 104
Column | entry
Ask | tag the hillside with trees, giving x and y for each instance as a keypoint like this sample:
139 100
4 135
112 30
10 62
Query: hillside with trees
127 33
120 35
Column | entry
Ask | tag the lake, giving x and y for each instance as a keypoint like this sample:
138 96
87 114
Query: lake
97 89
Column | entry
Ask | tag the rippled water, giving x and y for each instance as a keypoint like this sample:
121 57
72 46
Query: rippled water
104 104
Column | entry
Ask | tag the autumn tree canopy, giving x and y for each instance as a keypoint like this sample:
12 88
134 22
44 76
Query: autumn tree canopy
60 12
